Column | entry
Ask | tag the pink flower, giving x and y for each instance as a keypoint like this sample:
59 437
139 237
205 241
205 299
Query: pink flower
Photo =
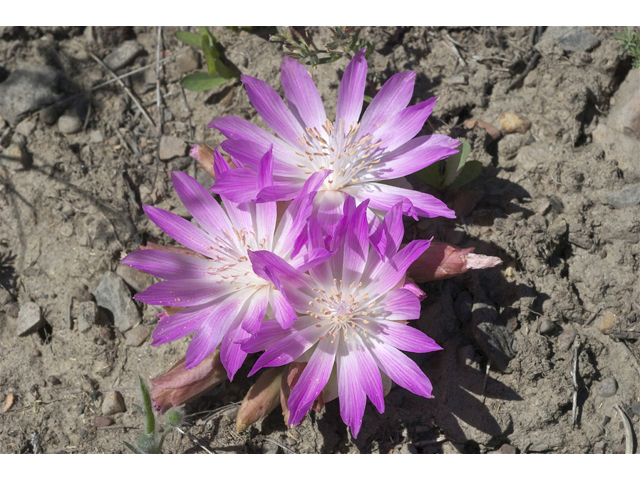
354 315
357 154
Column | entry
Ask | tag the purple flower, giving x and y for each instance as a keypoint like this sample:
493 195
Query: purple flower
360 153
225 300
353 322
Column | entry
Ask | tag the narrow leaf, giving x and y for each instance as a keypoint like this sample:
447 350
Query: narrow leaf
148 407
189 38
201 81
223 70
208 55
431 175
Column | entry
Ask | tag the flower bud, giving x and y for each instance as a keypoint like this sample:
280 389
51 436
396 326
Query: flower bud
203 153
442 260
179 386
261 399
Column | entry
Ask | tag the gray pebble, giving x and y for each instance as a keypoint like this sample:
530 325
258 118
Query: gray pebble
26 127
607 387
171 147
26 90
269 448
53 380
69 123
137 336
572 39
5 296
102 422
87 316
112 294
29 319
123 55
635 409
627 197
565 340
113 403
546 326
508 449
136 279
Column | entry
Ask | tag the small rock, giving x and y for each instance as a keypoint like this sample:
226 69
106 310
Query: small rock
607 322
607 387
28 89
598 447
49 115
29 319
53 380
5 138
493 338
572 39
457 80
512 123
408 449
269 448
188 61
26 127
546 326
558 228
123 55
627 197
66 230
138 280
635 409
171 147
87 316
8 402
137 336
113 295
113 403
69 123
147 159
96 137
81 294
36 352
101 422
624 116
507 449
565 340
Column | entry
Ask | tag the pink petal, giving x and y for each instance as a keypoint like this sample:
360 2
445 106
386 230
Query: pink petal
301 94
352 396
168 265
185 292
351 93
312 380
398 304
402 337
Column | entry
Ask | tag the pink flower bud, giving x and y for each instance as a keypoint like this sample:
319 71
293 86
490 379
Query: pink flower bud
442 260
179 386
261 399
203 153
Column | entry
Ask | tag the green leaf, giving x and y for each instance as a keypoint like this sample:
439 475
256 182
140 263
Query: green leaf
223 70
209 55
368 99
189 38
456 162
469 172
130 447
148 407
431 175
207 33
201 81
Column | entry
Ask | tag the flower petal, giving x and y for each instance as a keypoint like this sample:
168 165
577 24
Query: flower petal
398 304
394 96
384 197
403 125
413 156
181 324
185 292
291 347
199 202
351 93
399 368
271 332
352 396
240 185
369 374
313 379
403 337
168 265
301 94
181 230
273 110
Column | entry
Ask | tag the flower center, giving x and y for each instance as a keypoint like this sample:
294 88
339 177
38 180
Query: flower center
339 150
345 309
230 261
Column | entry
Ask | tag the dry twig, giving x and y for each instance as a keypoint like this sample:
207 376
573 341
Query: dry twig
628 431
126 89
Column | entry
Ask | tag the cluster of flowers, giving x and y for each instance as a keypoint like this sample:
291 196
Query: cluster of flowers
302 260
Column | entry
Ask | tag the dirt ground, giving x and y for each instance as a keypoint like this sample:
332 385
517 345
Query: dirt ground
558 201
